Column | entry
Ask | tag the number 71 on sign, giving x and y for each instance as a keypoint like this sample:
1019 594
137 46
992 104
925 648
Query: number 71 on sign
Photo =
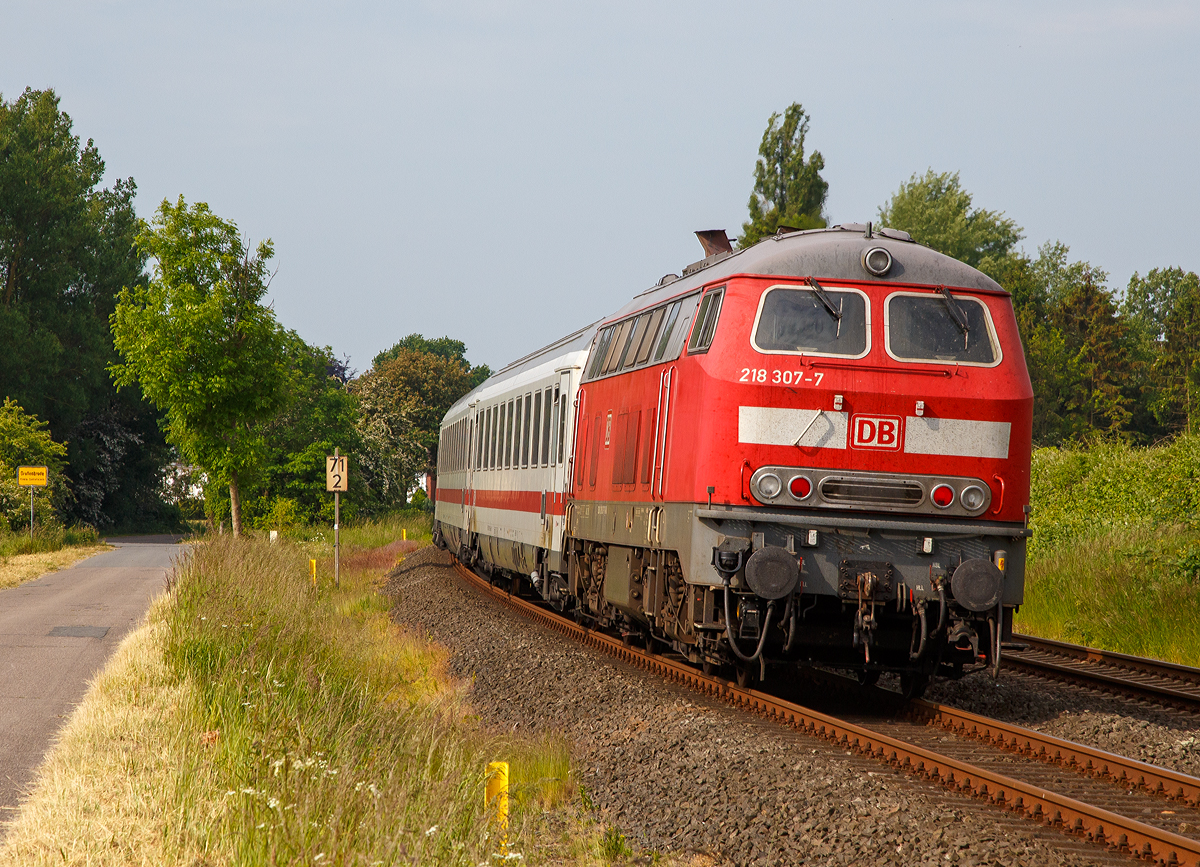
337 476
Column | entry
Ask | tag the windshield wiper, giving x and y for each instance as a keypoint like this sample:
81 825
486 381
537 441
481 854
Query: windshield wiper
959 317
823 297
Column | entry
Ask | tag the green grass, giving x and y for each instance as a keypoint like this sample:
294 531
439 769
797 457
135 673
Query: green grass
46 538
338 735
1115 557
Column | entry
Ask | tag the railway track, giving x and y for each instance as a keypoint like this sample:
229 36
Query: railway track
1080 790
1149 679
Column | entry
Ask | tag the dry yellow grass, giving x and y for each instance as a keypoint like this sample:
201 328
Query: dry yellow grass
19 568
120 760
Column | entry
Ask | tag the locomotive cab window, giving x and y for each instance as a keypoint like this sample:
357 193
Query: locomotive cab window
813 320
940 327
706 321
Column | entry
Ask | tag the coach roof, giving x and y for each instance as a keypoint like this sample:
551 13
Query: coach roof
832 254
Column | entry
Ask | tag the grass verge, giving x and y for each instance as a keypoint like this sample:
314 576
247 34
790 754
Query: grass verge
256 720
18 565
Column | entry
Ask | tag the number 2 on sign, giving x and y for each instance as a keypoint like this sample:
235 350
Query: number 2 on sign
779 377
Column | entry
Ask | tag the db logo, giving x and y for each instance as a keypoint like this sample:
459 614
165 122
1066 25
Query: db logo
875 432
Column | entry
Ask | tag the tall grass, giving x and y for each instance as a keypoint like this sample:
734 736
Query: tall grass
51 537
332 736
1115 556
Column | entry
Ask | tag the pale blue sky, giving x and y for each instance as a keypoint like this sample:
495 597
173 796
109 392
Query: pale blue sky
504 172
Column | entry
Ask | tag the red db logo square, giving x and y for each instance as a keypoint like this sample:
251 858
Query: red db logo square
875 432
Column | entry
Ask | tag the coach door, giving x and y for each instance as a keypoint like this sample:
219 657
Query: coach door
560 460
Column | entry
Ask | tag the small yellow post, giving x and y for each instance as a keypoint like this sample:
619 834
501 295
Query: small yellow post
312 567
496 798
404 534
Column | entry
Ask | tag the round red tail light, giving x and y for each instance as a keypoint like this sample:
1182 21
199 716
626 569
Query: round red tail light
800 487
942 496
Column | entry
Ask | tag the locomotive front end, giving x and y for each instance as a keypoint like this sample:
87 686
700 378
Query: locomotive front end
863 471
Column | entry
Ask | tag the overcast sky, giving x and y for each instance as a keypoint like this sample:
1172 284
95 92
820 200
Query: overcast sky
505 172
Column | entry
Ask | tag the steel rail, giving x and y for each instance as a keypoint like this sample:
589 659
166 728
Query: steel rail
1068 814
1152 679
1086 760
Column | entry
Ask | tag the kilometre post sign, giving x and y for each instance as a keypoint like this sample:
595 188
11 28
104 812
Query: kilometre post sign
337 474
37 477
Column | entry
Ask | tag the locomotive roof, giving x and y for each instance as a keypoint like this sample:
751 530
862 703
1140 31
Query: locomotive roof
833 254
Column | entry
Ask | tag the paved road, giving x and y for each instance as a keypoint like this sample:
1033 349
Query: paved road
56 633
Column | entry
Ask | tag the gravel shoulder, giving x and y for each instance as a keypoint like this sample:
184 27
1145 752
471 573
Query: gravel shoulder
690 778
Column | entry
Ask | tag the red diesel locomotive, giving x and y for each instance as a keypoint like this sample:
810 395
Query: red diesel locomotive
812 450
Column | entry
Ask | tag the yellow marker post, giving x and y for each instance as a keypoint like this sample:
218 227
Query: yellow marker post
404 534
312 567
495 798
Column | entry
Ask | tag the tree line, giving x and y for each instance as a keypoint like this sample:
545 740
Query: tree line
143 366
1104 361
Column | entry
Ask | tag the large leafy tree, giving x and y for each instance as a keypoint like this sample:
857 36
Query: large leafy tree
444 347
1163 309
66 248
201 344
412 385
288 485
937 212
788 189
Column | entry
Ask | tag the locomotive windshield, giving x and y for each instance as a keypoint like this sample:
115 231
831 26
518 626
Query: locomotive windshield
926 328
800 319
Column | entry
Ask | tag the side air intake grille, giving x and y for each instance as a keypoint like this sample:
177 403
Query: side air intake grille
871 492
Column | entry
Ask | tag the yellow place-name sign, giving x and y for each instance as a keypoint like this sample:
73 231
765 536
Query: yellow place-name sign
37 477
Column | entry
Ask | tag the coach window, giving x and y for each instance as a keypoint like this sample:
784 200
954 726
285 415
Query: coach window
488 439
517 431
513 456
546 430
706 321
940 327
534 451
812 320
498 424
496 447
525 431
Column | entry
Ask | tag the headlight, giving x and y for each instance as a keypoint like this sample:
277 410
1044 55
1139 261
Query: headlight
768 486
972 498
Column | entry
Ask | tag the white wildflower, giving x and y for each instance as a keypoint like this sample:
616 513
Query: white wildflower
432 830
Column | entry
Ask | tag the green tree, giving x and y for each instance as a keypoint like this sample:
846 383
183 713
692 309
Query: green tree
390 454
444 347
1164 310
412 389
66 249
937 212
788 190
203 347
26 441
322 416
1099 339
